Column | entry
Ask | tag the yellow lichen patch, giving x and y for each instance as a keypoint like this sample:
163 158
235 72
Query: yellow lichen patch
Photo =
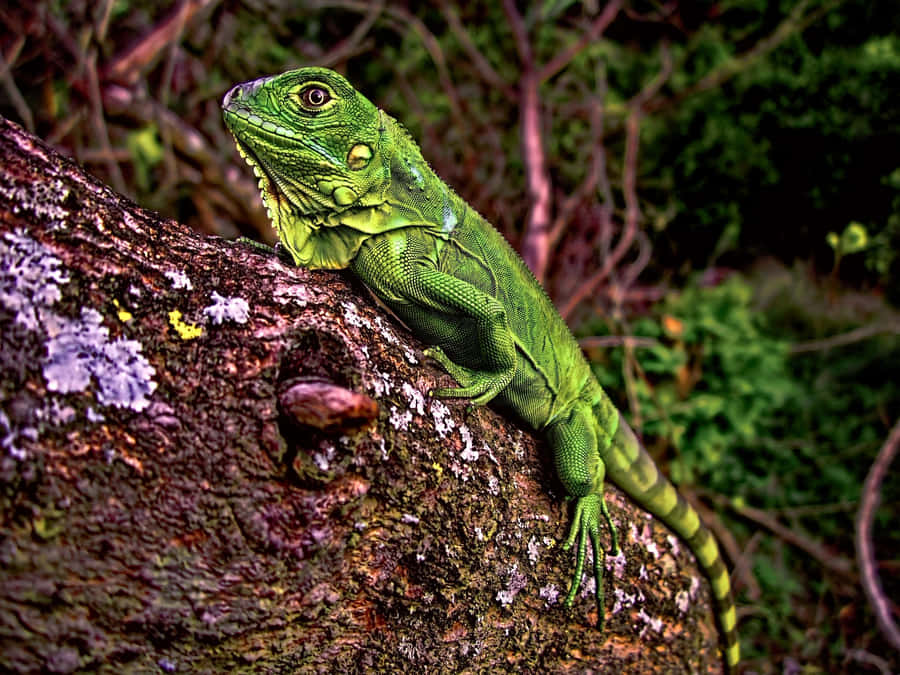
123 314
187 331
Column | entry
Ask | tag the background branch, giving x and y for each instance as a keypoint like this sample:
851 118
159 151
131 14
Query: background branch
865 549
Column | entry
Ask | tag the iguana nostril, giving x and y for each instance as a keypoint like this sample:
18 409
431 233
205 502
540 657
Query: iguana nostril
235 93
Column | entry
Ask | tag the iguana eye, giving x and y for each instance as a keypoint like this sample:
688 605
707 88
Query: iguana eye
314 97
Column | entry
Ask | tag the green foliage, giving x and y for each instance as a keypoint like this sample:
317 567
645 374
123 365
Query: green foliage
793 147
853 239
723 399
146 152
713 382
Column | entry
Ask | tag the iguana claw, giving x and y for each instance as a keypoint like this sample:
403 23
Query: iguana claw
585 526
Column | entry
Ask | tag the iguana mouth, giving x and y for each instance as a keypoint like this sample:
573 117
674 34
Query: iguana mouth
267 181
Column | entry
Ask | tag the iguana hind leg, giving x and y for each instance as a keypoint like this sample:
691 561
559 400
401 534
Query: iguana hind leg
581 471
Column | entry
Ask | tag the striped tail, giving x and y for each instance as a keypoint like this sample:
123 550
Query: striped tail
630 468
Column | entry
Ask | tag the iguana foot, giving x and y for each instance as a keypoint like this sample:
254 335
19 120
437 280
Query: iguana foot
478 386
586 526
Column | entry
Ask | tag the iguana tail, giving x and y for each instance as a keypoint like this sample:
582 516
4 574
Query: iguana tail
630 467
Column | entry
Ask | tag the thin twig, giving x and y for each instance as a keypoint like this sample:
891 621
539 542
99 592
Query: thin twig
9 83
407 20
604 341
563 58
855 335
652 88
481 64
98 121
629 187
342 50
534 246
826 557
631 370
620 286
596 173
127 67
865 553
794 23
519 32
632 214
102 22
868 659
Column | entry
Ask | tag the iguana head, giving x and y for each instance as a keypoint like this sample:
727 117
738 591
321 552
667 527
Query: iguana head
317 147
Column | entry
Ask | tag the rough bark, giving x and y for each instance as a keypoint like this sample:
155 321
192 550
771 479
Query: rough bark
180 519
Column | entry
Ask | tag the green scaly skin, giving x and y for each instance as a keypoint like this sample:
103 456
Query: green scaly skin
346 187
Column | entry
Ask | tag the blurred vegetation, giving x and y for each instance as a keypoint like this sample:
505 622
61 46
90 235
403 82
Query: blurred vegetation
724 222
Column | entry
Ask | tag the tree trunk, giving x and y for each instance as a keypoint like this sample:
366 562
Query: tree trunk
196 478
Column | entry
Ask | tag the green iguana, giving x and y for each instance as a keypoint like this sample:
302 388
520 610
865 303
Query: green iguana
347 187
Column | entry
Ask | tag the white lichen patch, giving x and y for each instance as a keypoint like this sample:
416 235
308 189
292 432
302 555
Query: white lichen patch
78 351
624 600
43 199
616 563
293 293
534 550
490 454
550 593
385 331
468 454
180 280
323 458
683 601
352 317
650 623
93 415
381 384
695 587
400 419
54 413
675 543
224 309
516 581
30 277
81 350
10 436
589 586
645 538
443 420
414 398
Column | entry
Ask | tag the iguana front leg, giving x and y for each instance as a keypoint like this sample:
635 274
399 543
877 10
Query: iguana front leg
496 349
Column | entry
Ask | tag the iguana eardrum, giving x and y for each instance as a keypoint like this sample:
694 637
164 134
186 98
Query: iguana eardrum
347 187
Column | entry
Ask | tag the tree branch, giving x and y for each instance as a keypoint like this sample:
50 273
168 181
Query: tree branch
535 245
865 550
564 58
165 473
